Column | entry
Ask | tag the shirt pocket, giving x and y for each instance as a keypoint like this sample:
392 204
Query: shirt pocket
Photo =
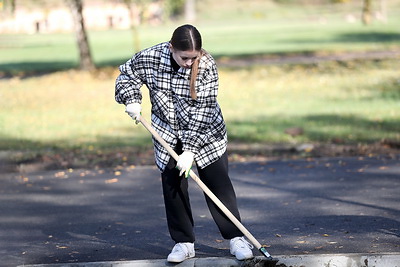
184 108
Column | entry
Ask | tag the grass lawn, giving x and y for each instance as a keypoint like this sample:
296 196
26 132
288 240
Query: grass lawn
354 102
350 102
357 102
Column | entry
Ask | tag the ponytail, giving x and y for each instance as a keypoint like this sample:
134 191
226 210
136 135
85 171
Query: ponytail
193 75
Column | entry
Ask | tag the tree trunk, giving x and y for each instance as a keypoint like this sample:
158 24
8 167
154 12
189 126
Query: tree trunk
366 12
190 10
133 26
85 58
383 11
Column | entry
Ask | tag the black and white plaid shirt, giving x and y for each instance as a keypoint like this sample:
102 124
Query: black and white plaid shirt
198 124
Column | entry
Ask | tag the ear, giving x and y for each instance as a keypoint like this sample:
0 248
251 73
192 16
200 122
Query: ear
171 48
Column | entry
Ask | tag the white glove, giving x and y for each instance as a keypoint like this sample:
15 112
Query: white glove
185 162
134 110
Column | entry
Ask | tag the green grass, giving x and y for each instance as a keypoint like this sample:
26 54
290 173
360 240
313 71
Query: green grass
228 32
356 101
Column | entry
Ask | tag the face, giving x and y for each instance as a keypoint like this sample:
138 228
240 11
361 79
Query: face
184 59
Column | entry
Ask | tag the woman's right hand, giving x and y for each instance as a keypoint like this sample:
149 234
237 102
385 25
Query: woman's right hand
134 110
185 162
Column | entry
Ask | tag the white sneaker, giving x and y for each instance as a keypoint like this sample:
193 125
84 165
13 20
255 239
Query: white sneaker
241 249
181 252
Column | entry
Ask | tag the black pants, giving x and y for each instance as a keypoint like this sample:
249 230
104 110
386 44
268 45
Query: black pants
177 205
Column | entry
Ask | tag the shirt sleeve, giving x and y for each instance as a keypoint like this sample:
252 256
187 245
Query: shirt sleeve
129 82
204 111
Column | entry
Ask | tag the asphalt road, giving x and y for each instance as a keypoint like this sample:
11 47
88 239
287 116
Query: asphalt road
320 206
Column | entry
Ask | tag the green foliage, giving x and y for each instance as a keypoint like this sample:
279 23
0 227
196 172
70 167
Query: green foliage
174 8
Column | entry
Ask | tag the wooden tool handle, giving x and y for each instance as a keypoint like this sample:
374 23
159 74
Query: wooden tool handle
207 191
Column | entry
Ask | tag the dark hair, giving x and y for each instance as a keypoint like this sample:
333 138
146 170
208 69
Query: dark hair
188 38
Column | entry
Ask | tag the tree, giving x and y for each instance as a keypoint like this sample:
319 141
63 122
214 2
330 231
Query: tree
383 11
190 10
175 8
7 4
85 57
366 12
135 34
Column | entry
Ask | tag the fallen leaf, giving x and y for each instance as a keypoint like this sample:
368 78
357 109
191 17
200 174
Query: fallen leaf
111 181
60 175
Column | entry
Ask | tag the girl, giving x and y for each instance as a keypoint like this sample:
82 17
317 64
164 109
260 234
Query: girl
182 79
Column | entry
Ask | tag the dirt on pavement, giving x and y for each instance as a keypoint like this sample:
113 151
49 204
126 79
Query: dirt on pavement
25 162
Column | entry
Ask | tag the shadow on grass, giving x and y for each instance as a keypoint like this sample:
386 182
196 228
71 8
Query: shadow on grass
353 37
317 128
366 37
36 68
324 128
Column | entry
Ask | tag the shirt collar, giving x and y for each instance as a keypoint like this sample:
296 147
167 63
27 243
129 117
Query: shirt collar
165 63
